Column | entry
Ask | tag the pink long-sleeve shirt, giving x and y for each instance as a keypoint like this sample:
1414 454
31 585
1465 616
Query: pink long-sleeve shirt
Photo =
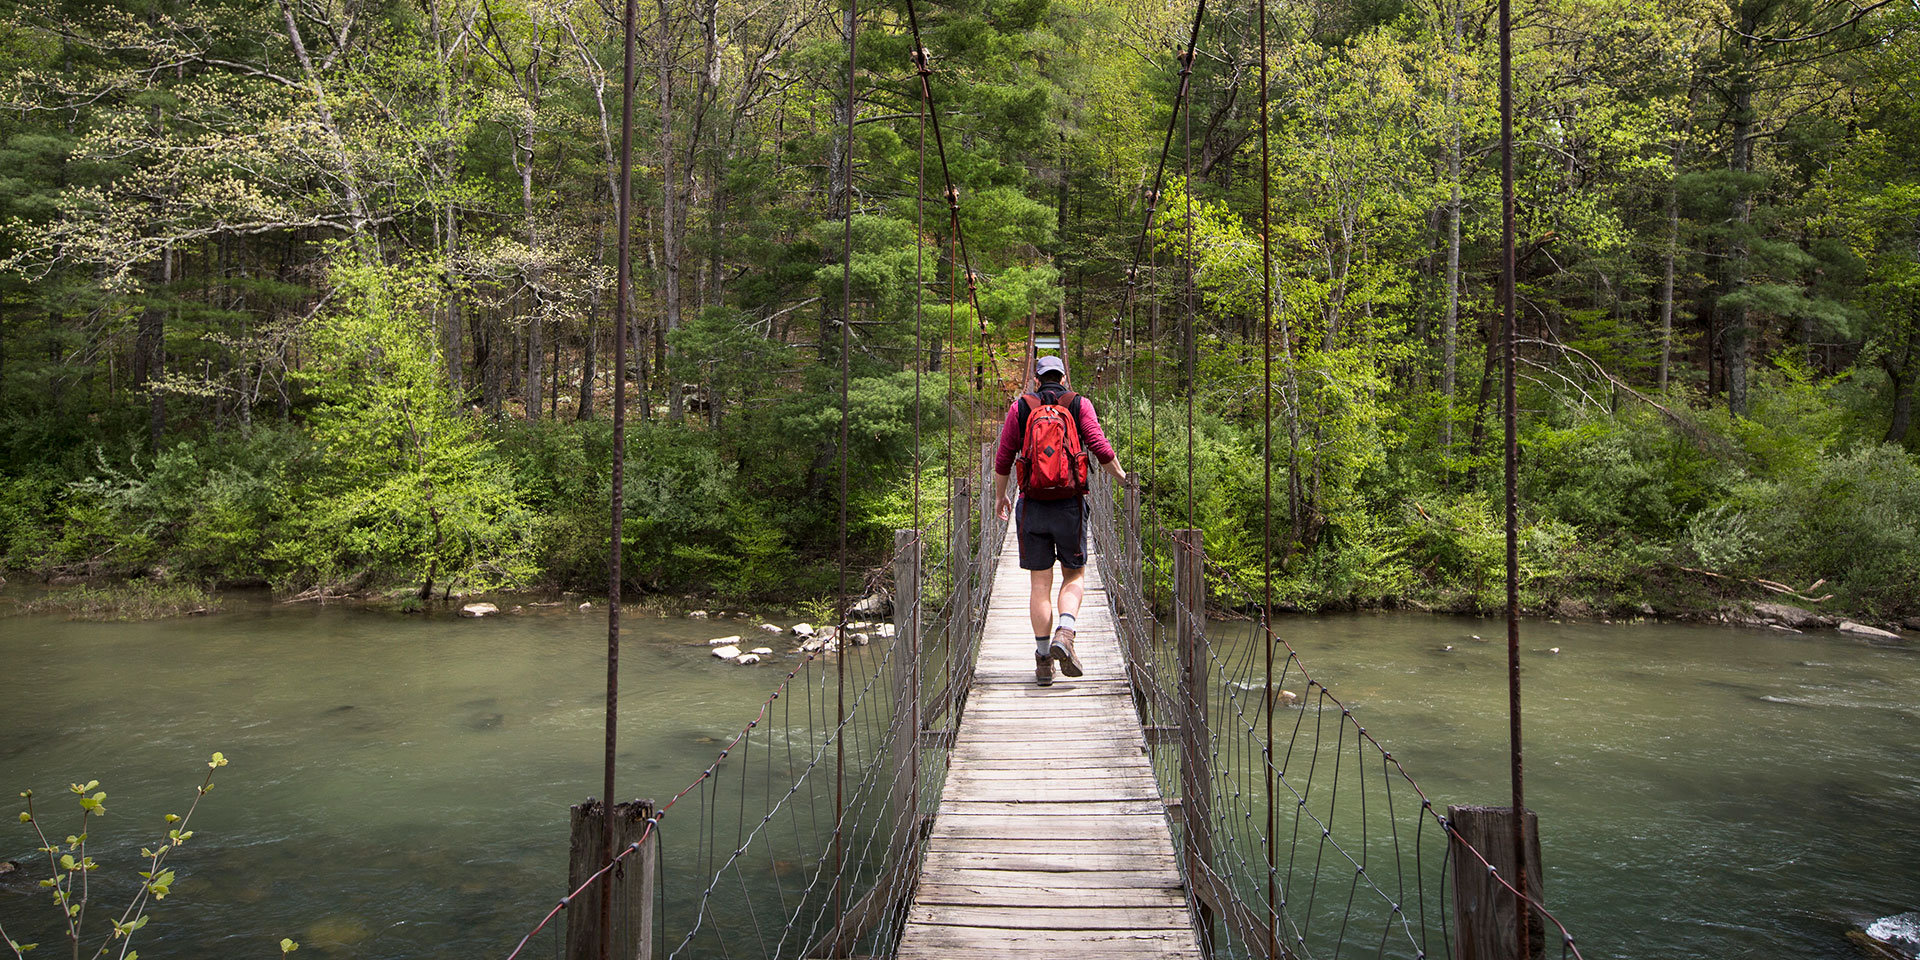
1091 436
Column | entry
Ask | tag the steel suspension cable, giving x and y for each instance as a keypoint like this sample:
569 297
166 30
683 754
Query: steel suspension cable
919 303
1190 340
925 72
1166 146
1510 349
1266 489
846 348
617 496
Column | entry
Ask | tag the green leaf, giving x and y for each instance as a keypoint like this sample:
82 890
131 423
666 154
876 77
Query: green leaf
219 760
287 945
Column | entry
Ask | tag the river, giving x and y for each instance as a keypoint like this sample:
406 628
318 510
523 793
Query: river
398 785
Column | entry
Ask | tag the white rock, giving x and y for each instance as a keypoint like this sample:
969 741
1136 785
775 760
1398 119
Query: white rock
1549 650
747 658
696 614
887 631
479 610
586 606
812 646
722 641
762 651
726 653
771 628
1862 630
803 629
826 633
858 639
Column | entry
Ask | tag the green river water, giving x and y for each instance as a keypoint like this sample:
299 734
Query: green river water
399 784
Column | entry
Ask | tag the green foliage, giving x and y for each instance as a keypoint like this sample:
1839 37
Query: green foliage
72 871
406 489
1856 522
132 600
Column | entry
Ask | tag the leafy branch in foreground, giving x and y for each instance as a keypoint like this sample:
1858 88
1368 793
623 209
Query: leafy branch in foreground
73 869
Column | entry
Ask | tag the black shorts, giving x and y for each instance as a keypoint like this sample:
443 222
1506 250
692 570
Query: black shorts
1052 530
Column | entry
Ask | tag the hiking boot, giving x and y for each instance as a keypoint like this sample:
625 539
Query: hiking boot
1043 670
1062 650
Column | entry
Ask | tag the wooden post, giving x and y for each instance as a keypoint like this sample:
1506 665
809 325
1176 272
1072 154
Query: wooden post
1482 906
1132 534
631 881
989 514
1132 592
1196 769
960 622
906 691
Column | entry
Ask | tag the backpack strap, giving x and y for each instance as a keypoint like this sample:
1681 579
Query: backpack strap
1031 401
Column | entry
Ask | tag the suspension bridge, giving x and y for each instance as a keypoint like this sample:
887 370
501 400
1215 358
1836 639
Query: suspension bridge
907 790
919 796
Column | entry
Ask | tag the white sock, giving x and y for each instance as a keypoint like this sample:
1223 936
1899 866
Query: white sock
1065 620
1042 646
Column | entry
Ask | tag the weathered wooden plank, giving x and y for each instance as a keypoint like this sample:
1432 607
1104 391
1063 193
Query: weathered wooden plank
944 942
1007 791
992 895
1053 916
985 837
1051 808
1138 786
1099 773
1078 880
1051 838
1043 863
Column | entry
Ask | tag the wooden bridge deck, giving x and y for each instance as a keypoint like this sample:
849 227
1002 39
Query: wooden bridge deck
1050 839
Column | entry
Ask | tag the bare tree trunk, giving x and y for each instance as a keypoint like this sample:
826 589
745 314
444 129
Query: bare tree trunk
1901 377
151 347
362 220
669 219
1672 251
1450 327
452 330
1739 329
536 274
591 344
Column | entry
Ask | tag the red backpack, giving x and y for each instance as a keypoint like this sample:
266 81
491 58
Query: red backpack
1053 465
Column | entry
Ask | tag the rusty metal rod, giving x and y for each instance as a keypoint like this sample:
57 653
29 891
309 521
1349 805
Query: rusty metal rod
622 283
1510 350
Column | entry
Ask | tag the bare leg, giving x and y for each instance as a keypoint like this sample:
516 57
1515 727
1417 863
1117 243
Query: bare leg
1072 586
1040 600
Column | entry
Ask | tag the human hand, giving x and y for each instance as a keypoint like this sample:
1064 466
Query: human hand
1004 508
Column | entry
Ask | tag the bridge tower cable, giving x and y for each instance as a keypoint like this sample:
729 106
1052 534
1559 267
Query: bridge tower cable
622 283
1266 489
840 604
1510 349
1189 340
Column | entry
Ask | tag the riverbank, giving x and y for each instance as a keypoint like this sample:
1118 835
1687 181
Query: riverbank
387 770
104 599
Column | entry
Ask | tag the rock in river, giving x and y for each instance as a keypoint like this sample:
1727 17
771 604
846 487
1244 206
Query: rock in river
1871 633
1788 615
1891 938
726 653
479 610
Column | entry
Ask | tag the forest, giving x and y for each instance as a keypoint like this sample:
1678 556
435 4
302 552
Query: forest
318 295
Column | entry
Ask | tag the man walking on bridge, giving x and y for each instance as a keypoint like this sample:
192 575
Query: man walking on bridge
1049 433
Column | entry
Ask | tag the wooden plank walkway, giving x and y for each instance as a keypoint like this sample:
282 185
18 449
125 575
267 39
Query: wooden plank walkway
1050 839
